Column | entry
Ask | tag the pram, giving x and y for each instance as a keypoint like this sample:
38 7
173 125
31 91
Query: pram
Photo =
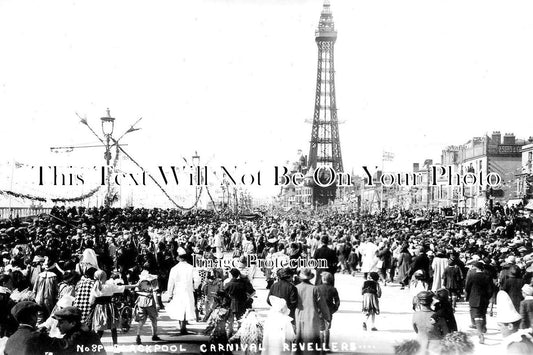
124 302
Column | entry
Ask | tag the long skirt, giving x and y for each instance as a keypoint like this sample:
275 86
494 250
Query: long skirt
104 315
370 303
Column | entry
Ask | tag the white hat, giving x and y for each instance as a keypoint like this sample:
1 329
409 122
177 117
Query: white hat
279 305
65 301
146 276
181 251
506 311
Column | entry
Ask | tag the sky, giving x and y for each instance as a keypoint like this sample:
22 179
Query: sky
234 80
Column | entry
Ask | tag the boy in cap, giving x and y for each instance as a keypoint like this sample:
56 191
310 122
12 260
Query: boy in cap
27 340
69 324
429 327
526 307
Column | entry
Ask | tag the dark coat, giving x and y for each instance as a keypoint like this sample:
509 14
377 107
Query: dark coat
404 261
238 290
27 341
331 295
420 262
444 309
453 277
331 257
385 255
310 312
88 339
513 287
526 312
286 290
479 288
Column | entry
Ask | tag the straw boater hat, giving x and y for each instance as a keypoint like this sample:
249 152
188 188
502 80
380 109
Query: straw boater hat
506 311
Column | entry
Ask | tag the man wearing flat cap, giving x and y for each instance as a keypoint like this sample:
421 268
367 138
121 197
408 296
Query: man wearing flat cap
69 323
479 289
27 340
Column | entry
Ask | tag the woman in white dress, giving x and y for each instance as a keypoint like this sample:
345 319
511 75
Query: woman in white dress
369 259
278 332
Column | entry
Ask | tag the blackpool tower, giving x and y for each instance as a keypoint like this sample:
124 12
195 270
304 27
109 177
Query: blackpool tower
325 147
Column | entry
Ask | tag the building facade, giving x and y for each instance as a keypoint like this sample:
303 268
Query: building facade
481 156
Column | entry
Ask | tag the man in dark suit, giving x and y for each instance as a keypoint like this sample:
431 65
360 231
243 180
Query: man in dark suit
283 288
69 323
479 288
27 340
324 252
240 291
420 262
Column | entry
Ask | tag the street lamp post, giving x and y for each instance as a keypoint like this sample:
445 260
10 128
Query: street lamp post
196 164
108 126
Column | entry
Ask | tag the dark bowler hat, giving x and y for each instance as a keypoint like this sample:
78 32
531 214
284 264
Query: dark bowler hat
68 313
24 308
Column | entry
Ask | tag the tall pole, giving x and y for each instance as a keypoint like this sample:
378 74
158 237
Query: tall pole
107 201
427 200
381 195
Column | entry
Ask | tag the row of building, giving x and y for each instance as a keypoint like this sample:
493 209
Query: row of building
507 157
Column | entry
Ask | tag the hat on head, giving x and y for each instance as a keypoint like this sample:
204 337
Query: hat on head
527 290
305 274
146 276
38 258
21 309
284 273
278 304
181 251
425 297
65 301
479 265
506 311
68 313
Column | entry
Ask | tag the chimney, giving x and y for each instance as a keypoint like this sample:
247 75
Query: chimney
509 138
416 167
530 139
496 137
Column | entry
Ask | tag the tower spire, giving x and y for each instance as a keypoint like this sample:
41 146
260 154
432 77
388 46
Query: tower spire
325 149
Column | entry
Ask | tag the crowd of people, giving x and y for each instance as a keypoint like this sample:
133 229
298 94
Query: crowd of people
67 275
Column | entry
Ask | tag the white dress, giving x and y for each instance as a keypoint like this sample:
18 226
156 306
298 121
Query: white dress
277 331
438 266
368 257
181 284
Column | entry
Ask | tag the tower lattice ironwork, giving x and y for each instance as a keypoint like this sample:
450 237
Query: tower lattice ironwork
325 147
